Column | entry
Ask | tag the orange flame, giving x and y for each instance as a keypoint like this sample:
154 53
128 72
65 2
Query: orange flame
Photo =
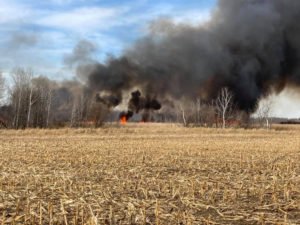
123 120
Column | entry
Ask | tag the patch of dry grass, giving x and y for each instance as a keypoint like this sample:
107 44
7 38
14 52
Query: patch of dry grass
150 174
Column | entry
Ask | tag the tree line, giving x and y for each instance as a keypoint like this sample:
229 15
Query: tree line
38 102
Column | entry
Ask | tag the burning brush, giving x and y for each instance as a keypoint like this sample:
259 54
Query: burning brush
139 103
125 116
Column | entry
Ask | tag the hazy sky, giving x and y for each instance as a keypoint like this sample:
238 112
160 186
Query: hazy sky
40 34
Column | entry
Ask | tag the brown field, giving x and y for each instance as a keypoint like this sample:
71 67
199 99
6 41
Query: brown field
150 174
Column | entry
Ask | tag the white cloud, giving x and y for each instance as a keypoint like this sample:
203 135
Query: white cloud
61 2
93 19
66 2
142 20
193 17
12 12
82 19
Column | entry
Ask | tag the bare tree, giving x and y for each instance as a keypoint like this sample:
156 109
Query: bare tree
49 104
80 108
198 111
187 111
264 112
74 115
2 85
224 104
98 113
31 99
208 115
182 109
3 109
20 95
61 105
41 101
30 103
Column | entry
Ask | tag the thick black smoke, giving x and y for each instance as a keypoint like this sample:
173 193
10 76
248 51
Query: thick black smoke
250 46
139 103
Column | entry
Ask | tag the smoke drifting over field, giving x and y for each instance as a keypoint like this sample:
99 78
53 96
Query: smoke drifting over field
250 46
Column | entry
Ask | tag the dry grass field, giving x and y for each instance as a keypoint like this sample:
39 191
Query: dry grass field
150 174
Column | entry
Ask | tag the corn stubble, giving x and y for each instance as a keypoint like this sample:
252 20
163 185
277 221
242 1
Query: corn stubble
150 174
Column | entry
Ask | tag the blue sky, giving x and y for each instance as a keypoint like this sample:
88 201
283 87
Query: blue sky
39 34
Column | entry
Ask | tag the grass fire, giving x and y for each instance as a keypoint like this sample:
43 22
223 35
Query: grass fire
123 120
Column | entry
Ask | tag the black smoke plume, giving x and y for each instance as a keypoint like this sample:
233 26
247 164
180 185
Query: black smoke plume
250 46
139 103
